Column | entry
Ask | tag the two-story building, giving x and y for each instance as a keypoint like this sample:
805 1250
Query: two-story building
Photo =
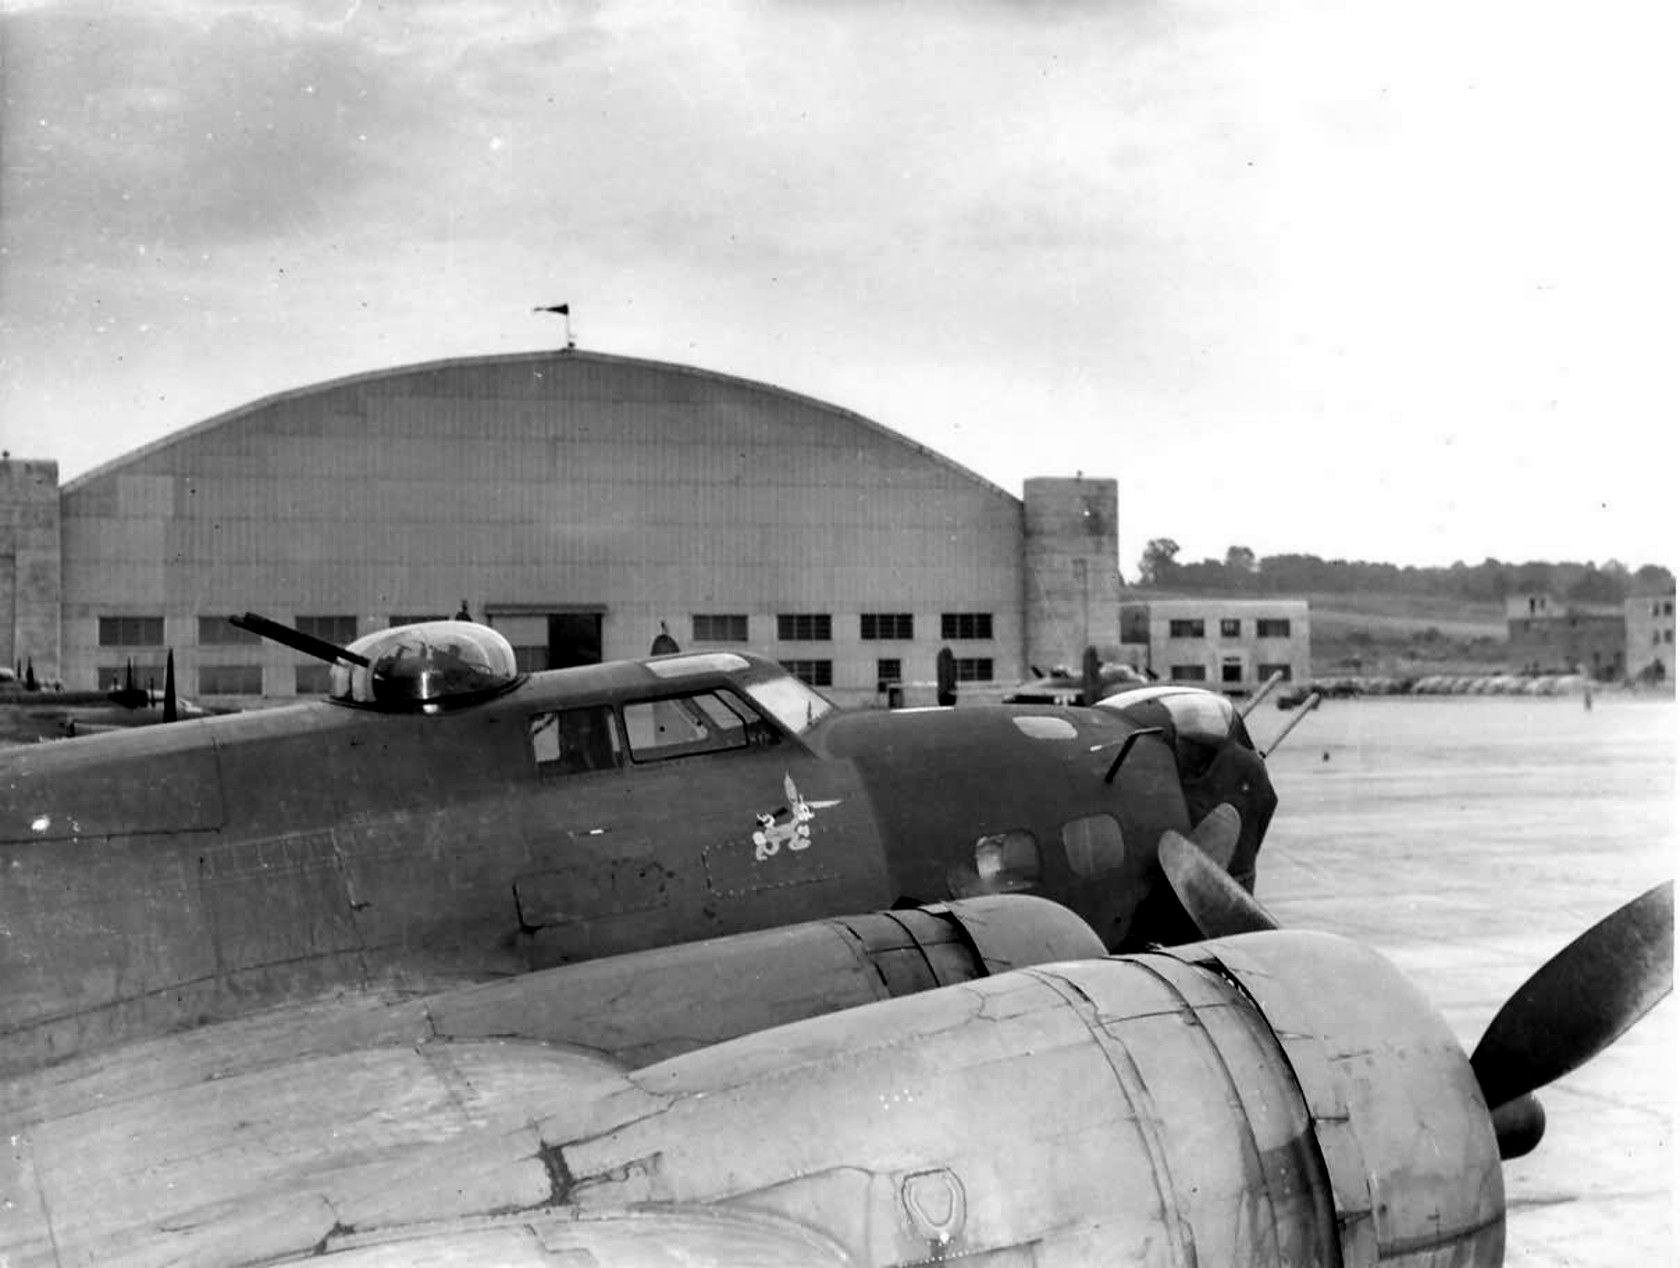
1552 636
1650 637
1230 645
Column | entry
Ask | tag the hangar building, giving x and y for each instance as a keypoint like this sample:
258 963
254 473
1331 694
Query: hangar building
580 503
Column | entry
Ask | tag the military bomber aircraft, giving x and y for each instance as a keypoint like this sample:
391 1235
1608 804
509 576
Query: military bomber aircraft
445 818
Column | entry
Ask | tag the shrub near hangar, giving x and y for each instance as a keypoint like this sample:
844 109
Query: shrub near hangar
576 501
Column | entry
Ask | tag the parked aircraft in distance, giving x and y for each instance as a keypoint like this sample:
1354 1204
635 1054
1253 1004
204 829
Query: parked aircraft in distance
42 714
444 817
1096 680
1265 1098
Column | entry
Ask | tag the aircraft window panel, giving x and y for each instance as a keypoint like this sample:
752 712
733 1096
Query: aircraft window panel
683 726
1200 715
571 741
788 700
698 663
1094 844
1004 863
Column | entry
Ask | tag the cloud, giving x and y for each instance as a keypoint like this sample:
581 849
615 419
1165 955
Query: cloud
144 127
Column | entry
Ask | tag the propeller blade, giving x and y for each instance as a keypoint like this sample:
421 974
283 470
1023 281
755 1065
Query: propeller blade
1217 834
1215 901
1581 1000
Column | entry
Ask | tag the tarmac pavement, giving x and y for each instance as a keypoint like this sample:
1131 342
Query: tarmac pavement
1469 839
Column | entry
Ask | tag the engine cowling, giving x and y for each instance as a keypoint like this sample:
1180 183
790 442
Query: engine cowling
1172 1108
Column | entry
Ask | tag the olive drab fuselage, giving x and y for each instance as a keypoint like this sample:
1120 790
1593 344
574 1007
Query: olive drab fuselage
164 877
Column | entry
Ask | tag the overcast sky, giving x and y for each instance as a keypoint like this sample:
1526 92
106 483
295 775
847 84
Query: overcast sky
1395 284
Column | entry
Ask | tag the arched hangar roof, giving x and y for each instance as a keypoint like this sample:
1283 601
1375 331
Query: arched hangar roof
558 377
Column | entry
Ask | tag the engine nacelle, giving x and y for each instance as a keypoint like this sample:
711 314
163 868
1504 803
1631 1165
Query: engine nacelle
654 1004
1171 1108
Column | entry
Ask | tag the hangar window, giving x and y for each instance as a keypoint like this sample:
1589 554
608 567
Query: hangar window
1266 671
569 741
1272 627
683 726
1187 629
974 669
1189 673
334 629
1230 627
887 672
417 620
1668 636
804 627
131 631
976 625
886 625
230 680
312 680
218 630
813 673
720 628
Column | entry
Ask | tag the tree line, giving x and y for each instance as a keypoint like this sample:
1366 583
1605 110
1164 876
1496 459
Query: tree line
1489 581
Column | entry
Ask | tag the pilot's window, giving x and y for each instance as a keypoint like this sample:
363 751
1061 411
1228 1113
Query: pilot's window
706 722
1094 844
569 741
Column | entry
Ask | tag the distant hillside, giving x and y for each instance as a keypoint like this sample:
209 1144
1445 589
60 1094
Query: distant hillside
1373 632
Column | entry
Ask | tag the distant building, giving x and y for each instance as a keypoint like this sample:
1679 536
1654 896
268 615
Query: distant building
1650 637
1551 636
576 501
1229 645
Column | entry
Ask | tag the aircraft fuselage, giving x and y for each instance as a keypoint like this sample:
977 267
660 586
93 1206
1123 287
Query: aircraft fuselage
164 877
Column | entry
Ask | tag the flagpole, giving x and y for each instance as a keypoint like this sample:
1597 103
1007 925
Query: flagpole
565 311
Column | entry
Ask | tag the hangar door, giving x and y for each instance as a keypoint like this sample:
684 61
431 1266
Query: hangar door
550 638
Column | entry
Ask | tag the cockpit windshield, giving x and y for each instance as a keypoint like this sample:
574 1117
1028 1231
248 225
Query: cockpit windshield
426 668
789 701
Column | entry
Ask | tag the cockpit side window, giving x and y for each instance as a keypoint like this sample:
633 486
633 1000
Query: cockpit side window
681 726
569 741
